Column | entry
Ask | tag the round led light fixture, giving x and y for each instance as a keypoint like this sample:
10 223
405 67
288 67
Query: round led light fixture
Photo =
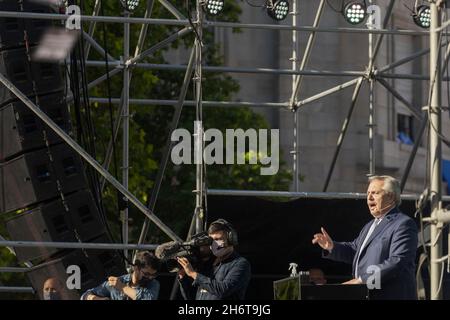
279 10
422 16
213 7
355 12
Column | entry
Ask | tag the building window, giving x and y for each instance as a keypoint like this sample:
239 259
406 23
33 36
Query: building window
405 129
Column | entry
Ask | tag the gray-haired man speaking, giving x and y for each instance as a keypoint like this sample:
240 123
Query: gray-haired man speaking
383 255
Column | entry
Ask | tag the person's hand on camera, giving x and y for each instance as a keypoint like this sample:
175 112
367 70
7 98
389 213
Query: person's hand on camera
324 240
184 262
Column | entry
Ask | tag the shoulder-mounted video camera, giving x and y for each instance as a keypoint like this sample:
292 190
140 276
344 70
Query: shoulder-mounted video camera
169 252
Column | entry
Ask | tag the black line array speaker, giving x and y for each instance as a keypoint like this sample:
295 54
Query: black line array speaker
95 266
23 131
32 178
12 30
22 73
40 176
51 222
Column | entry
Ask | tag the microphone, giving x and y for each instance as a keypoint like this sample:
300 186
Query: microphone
167 249
387 206
171 249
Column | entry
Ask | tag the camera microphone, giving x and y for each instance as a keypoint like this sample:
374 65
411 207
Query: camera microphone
168 249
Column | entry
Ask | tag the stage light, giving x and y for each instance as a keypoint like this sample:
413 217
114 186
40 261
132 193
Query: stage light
213 7
278 10
422 16
355 12
130 5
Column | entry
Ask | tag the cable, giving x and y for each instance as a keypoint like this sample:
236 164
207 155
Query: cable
197 36
86 134
334 9
255 5
441 279
446 67
430 95
110 107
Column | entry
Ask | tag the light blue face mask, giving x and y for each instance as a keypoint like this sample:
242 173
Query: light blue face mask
48 295
219 249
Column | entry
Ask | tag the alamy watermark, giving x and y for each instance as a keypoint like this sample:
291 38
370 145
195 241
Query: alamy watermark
374 280
209 147
74 20
74 279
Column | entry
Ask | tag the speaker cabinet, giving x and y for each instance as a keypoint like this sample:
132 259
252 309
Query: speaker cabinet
32 178
95 266
15 66
23 131
51 222
12 30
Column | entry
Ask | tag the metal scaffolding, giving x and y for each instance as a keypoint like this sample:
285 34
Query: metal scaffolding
193 71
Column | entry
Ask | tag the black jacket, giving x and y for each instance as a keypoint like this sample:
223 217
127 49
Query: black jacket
226 281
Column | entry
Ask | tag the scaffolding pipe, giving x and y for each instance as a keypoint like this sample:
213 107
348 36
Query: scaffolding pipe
407 76
303 195
371 124
14 270
99 80
13 252
121 65
92 24
435 152
412 156
327 92
296 139
166 4
198 126
184 22
144 28
342 134
116 125
190 103
169 145
160 45
289 72
307 53
97 46
77 245
126 130
17 290
179 67
400 98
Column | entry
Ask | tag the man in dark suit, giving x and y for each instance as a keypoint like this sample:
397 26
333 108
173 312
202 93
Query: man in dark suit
383 255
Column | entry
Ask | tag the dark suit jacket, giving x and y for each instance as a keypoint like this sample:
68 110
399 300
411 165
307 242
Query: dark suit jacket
391 248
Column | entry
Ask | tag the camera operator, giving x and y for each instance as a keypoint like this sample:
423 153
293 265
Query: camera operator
227 277
139 285
204 266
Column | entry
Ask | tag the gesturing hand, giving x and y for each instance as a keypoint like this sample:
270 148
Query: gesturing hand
187 267
116 283
324 240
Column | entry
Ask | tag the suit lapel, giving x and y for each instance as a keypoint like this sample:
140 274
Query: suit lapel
380 227
360 242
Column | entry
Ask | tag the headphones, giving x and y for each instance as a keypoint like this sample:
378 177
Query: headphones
232 237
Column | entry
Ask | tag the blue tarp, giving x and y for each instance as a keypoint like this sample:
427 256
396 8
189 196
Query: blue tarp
404 138
446 173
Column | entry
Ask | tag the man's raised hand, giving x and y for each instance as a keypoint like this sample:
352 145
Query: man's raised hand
324 240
